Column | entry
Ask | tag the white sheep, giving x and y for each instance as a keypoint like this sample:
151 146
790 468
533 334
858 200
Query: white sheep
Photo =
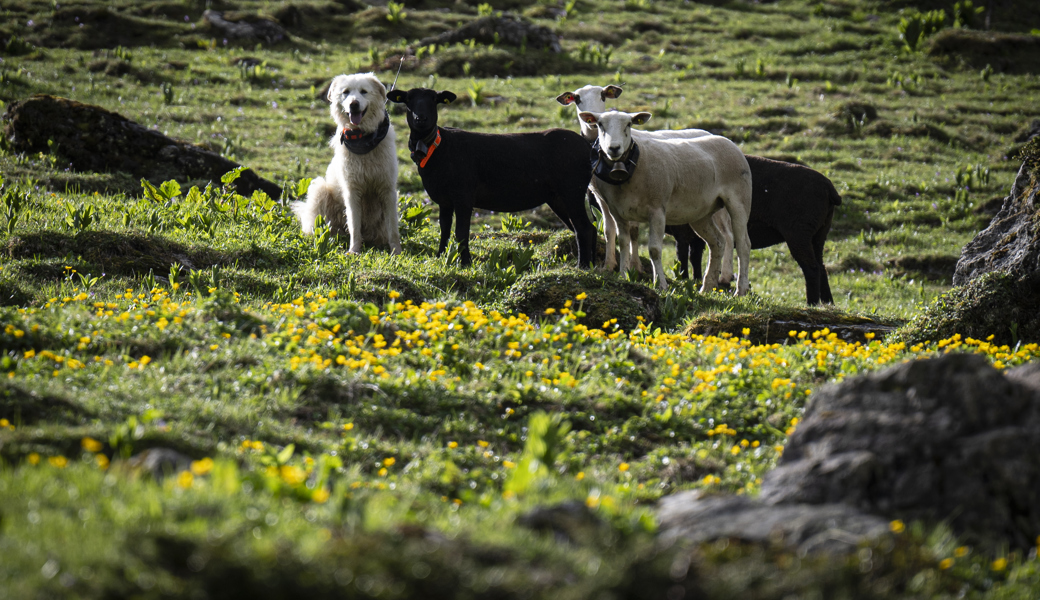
593 98
674 182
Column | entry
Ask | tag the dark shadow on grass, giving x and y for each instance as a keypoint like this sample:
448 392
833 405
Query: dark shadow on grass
23 407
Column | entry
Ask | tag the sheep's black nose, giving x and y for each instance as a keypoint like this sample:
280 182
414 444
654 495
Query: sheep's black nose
614 150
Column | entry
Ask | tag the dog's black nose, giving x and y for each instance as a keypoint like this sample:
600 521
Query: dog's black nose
355 105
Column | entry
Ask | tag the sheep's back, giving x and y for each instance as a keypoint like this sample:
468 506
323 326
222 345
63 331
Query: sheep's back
783 191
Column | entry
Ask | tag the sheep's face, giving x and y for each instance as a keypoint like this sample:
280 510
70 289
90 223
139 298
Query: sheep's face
357 101
590 98
615 130
422 107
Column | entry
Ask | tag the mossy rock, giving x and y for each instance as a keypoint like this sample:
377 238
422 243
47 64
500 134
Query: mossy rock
998 304
119 253
772 326
1003 52
491 62
608 297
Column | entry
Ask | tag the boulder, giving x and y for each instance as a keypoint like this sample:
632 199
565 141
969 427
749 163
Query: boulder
92 138
506 29
998 273
949 439
256 28
1010 242
691 516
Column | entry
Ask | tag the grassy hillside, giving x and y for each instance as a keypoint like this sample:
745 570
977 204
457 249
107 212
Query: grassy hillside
376 425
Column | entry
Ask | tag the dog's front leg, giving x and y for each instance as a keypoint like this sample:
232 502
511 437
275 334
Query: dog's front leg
352 202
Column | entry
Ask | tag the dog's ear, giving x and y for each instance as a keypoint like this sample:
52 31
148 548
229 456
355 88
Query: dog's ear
445 97
589 117
566 98
640 118
611 91
398 96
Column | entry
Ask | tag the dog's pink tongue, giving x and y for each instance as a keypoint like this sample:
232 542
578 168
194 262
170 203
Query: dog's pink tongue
355 118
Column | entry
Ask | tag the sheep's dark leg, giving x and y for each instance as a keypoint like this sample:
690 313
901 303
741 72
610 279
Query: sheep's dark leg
462 217
801 248
697 246
825 286
445 219
584 231
684 237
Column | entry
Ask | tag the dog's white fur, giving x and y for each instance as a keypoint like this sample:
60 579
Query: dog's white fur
359 191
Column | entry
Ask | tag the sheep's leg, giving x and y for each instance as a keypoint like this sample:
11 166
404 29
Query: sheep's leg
696 255
708 231
802 251
633 233
738 209
818 241
610 234
462 217
625 241
655 243
445 220
726 228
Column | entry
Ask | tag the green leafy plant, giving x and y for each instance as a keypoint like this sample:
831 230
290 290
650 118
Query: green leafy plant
966 14
79 218
476 92
915 26
395 13
166 89
546 445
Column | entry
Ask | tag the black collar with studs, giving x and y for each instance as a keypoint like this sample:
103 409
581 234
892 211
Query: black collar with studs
358 142
608 171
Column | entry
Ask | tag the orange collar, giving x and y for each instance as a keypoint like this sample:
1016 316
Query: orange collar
429 150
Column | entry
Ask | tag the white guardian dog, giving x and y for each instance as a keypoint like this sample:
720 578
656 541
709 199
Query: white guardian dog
359 191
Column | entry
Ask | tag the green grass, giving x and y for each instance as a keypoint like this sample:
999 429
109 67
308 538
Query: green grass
378 424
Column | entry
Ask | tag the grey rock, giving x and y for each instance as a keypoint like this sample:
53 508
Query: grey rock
829 528
949 439
945 439
92 138
160 462
510 29
1010 242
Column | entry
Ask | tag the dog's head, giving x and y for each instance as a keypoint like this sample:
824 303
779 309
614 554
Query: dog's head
357 101
422 107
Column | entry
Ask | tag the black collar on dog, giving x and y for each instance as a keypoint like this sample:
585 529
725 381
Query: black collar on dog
423 149
363 143
617 172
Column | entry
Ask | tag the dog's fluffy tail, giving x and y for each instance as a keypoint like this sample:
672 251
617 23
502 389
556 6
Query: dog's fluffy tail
322 199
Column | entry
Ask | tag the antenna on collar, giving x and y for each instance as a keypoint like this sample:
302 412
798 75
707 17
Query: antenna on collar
393 85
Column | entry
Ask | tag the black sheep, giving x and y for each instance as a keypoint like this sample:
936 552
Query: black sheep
463 170
789 203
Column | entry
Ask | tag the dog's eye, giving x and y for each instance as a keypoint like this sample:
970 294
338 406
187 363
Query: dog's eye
363 92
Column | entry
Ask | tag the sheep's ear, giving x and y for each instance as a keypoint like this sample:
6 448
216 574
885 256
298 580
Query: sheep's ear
445 97
589 117
398 96
640 118
611 91
565 98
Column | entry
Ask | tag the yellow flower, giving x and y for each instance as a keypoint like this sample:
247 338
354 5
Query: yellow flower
383 472
508 464
389 462
581 296
453 445
90 444
897 526
394 295
962 551
623 467
185 479
348 426
745 331
482 443
550 311
292 474
202 467
320 496
33 458
580 475
102 461
869 335
1000 564
58 461
945 563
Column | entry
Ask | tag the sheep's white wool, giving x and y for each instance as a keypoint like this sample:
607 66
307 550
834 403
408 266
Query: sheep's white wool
677 181
593 98
358 194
